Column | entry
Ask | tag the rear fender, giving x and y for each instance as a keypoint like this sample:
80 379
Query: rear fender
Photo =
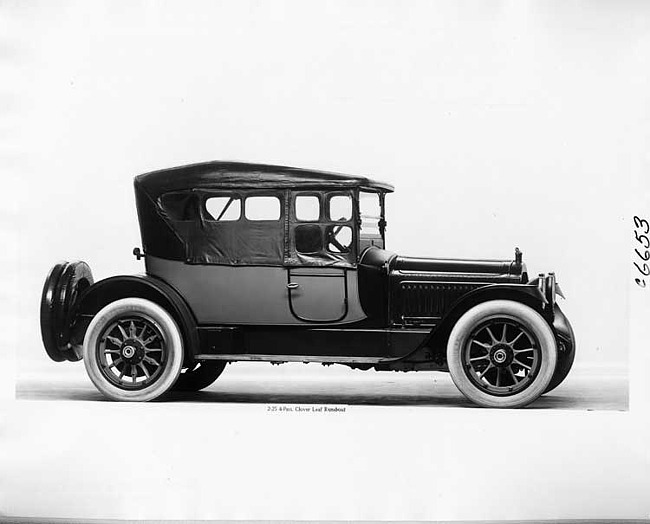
111 289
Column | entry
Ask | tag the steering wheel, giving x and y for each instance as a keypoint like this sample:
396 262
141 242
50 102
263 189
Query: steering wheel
331 237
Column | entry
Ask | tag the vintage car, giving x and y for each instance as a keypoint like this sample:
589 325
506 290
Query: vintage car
248 262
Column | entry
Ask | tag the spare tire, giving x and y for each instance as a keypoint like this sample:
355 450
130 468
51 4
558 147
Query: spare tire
64 284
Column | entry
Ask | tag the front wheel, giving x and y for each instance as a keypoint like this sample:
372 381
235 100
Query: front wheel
501 354
133 350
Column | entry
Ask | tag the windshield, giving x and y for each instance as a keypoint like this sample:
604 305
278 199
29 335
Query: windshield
370 210
372 219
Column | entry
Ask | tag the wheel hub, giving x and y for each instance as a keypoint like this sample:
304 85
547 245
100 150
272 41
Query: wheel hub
132 351
501 355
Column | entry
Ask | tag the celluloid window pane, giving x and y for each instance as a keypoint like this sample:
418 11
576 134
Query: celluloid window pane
339 239
309 239
307 208
262 208
223 208
340 207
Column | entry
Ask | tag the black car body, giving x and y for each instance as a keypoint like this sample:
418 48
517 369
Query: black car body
268 263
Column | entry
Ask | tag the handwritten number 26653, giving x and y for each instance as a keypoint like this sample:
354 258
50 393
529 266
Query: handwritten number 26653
645 242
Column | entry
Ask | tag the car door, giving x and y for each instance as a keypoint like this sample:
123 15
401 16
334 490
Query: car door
322 255
318 294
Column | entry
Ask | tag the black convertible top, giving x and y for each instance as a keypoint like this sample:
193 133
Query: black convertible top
218 175
173 224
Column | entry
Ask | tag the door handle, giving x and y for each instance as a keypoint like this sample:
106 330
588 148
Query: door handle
293 285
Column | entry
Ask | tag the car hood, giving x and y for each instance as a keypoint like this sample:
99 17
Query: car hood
509 269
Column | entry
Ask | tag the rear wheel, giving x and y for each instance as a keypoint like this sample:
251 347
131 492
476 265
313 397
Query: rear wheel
199 376
502 353
133 350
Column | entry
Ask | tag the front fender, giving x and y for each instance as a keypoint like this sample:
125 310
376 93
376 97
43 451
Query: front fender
158 291
433 347
562 326
529 295
565 336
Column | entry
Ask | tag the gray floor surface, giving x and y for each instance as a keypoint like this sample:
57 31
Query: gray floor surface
587 387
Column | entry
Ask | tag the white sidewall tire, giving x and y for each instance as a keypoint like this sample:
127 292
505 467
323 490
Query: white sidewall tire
171 338
532 321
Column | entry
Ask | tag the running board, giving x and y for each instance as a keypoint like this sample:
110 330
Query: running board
297 358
